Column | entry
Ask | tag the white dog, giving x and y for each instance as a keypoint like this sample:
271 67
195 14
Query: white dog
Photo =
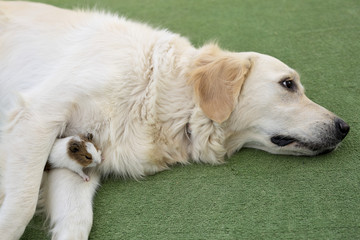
148 96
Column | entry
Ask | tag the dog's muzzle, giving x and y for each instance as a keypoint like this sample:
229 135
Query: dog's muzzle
324 143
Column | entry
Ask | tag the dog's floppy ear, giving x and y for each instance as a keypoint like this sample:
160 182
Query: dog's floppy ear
217 79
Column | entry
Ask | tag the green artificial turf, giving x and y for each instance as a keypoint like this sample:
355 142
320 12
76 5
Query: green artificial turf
255 195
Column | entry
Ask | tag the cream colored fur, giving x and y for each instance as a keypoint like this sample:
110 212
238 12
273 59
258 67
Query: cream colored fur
136 89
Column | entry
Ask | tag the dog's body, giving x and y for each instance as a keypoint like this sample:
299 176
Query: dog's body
150 99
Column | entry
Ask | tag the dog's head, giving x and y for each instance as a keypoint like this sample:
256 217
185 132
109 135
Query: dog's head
259 102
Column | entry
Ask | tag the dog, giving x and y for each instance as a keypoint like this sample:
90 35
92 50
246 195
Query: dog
148 96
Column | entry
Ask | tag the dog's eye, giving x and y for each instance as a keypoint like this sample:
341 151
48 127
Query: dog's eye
88 157
288 84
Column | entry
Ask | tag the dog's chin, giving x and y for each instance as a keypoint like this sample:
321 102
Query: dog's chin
293 146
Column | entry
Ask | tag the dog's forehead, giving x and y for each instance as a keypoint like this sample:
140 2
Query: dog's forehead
269 66
272 63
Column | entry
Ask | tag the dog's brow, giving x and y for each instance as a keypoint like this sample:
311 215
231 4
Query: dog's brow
295 75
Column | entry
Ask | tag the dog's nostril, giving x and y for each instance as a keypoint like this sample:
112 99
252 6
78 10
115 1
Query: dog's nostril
342 128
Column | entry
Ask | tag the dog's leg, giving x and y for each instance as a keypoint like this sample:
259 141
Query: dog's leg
26 141
68 203
27 146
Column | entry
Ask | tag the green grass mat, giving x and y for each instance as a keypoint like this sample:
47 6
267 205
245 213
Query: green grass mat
255 195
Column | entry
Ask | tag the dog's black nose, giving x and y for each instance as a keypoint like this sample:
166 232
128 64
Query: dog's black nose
342 128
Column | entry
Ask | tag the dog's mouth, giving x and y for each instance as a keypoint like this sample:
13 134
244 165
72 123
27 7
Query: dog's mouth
324 138
316 148
282 141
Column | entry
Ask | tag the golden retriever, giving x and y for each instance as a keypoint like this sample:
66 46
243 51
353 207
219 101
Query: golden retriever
149 98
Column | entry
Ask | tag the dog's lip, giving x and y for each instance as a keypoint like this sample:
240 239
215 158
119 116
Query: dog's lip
282 140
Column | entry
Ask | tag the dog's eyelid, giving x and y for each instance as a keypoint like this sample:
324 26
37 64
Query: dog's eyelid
286 79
